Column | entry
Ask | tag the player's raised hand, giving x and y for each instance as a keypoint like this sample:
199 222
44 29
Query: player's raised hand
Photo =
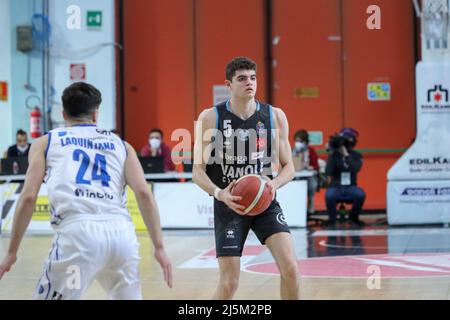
7 262
163 260
231 201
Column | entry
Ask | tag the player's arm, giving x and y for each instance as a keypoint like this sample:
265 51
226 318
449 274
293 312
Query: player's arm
134 177
202 150
287 171
27 200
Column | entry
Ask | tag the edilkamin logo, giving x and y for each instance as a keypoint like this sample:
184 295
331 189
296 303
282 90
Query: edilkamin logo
437 94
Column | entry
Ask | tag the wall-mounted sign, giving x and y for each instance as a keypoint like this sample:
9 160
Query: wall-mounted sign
306 92
94 19
315 138
77 71
379 91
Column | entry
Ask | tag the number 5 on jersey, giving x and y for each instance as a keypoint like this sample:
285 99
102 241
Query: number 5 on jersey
99 165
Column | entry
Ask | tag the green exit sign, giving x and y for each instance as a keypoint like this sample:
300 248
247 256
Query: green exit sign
94 19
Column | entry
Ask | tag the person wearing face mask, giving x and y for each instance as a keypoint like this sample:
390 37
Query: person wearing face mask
156 147
305 158
21 148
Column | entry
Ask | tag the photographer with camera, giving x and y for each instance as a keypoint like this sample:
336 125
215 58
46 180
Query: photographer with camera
342 167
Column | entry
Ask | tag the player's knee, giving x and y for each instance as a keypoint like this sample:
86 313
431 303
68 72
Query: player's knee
230 285
289 271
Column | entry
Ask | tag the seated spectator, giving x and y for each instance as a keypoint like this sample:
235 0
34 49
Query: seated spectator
156 147
343 165
305 158
21 148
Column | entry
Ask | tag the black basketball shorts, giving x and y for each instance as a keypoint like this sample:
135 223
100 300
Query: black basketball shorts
231 229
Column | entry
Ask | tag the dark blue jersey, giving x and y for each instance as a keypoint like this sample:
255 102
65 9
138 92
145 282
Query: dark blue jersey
240 147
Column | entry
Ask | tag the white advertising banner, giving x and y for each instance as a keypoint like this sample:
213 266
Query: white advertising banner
419 202
181 205
185 205
428 159
40 221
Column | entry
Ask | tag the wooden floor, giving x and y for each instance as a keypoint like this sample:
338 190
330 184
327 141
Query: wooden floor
195 283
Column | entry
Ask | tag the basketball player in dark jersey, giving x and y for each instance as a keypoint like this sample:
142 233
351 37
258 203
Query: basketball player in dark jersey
238 137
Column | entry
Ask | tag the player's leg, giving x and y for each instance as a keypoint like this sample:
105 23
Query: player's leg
120 278
272 230
229 268
121 284
68 271
282 249
230 231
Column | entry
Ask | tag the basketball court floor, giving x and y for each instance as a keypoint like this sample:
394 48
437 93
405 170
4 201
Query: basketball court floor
374 262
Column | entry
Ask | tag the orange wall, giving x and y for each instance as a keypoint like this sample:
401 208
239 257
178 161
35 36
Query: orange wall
171 64
226 29
385 55
176 50
305 57
159 74
325 44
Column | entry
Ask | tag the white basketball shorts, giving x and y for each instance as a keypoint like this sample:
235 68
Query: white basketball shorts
82 251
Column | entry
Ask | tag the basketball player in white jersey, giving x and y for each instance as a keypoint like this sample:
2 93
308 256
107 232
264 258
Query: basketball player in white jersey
86 170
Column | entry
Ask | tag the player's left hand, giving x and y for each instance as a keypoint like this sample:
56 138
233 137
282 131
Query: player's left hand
163 260
273 186
7 262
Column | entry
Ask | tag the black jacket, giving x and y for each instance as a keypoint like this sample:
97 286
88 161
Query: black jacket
14 152
337 164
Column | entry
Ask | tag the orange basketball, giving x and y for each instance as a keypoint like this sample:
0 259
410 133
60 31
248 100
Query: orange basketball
255 193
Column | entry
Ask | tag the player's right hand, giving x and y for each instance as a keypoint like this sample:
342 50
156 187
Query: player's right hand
7 262
162 258
231 201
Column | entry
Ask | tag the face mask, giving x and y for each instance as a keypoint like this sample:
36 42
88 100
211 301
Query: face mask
299 146
154 143
22 149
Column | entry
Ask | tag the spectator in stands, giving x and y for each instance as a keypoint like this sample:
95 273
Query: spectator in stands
343 165
21 148
156 147
305 158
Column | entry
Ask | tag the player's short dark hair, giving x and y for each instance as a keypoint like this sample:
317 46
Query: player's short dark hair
302 135
21 132
81 100
156 130
239 63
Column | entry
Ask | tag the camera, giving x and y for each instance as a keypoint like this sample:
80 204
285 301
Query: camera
337 141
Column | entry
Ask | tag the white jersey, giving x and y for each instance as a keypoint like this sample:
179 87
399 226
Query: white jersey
85 174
